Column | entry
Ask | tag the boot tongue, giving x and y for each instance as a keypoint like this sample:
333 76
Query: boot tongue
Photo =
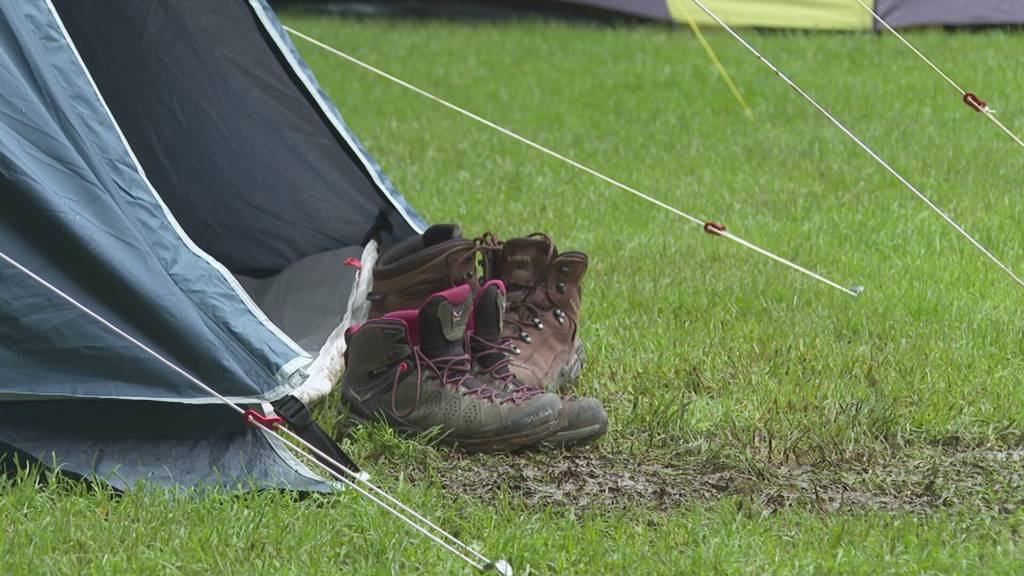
488 321
489 313
442 326
523 260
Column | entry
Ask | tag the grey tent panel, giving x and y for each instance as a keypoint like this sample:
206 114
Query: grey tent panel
127 443
309 298
905 13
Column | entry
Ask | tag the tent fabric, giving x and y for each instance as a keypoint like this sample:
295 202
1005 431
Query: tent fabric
254 173
651 9
124 444
102 199
299 298
805 14
905 13
79 213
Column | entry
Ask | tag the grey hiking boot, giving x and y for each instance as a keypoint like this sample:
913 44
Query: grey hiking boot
412 270
543 309
582 419
410 369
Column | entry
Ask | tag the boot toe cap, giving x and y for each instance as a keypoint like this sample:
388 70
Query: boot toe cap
583 420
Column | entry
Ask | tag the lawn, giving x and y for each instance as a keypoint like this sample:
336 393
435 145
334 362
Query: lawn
761 422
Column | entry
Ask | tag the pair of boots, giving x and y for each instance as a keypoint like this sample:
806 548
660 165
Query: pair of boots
446 349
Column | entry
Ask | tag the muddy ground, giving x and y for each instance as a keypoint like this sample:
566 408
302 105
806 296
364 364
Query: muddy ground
982 480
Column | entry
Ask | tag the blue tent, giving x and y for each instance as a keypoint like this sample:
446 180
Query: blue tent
174 166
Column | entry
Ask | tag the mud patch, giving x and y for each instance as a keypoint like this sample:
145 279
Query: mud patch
922 481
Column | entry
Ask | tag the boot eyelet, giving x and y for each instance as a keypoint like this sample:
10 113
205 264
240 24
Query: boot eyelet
516 350
468 275
560 315
538 324
560 287
525 337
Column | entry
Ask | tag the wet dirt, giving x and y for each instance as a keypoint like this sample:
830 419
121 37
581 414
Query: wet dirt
918 481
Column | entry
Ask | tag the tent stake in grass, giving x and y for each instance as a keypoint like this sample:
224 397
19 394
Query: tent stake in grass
272 425
717 230
969 98
963 232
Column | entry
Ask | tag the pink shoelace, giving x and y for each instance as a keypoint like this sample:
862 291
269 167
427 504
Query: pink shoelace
499 370
453 371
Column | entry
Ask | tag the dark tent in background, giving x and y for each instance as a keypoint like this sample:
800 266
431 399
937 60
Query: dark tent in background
800 14
906 13
156 157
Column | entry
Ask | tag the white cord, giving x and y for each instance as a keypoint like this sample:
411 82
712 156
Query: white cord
569 161
348 482
351 482
989 113
914 49
861 143
386 496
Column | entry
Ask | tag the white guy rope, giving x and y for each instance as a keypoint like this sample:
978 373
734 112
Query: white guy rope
349 478
861 143
346 478
693 219
988 112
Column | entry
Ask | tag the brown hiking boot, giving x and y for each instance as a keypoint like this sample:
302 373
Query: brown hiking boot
410 369
582 419
409 272
543 310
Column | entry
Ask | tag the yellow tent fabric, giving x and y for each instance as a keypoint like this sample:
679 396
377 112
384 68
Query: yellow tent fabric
810 14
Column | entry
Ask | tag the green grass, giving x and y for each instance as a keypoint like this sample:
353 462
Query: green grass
65 530
880 434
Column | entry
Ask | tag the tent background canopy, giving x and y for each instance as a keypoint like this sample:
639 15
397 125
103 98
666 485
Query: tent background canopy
151 165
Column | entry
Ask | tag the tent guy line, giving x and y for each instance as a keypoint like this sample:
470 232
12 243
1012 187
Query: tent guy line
715 60
271 425
969 98
963 232
714 230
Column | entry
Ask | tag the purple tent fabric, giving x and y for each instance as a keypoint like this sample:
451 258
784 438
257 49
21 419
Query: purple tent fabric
905 13
653 9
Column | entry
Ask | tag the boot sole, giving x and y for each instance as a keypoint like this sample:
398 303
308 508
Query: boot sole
569 374
508 443
577 437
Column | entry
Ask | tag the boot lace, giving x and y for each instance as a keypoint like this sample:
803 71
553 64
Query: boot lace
452 371
488 246
521 312
499 370
489 240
